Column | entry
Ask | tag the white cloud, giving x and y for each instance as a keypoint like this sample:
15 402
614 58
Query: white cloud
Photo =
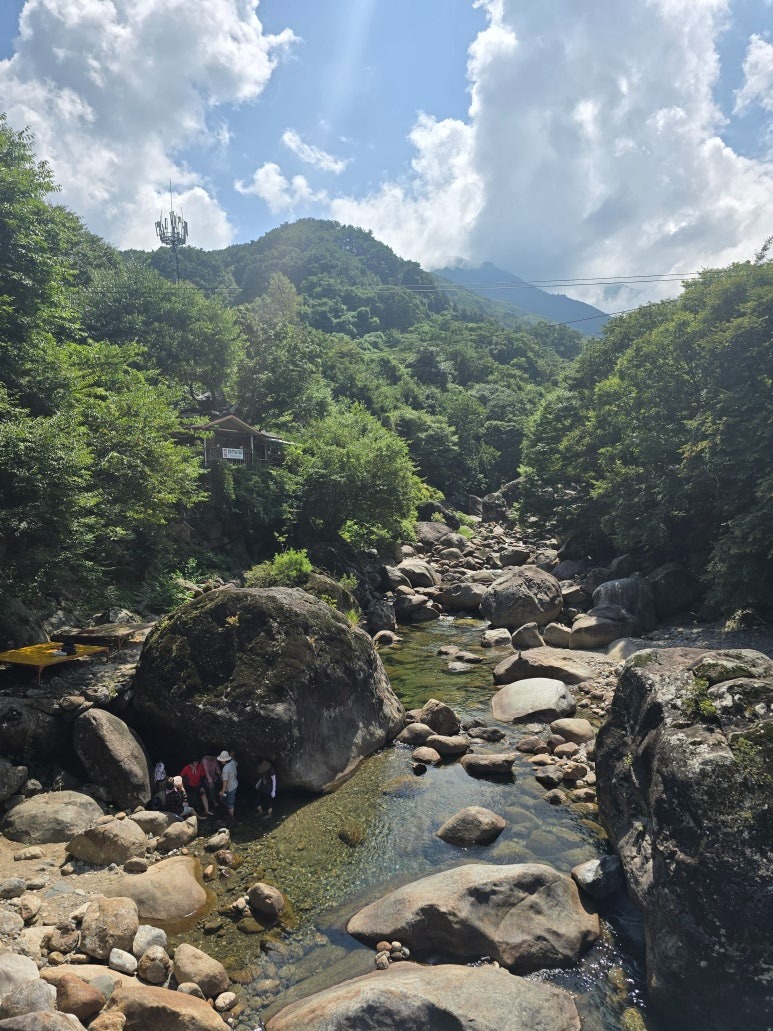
280 194
313 155
112 89
592 148
758 76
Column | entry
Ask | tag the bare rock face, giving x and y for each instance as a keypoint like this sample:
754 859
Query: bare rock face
526 916
684 787
113 757
524 595
275 673
448 996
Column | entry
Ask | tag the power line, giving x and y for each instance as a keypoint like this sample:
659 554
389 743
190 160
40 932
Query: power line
638 280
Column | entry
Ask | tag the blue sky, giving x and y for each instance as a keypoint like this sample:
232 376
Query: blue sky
558 140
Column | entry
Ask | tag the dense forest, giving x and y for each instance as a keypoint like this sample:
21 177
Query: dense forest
658 437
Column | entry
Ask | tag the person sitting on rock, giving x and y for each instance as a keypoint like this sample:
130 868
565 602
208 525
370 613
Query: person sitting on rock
266 788
230 782
176 800
193 780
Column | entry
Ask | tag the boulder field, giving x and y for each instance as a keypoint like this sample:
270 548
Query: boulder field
273 673
684 786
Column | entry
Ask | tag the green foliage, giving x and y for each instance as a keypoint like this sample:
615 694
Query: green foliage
662 434
351 477
290 568
696 704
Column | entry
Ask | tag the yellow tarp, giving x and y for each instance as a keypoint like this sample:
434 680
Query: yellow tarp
41 655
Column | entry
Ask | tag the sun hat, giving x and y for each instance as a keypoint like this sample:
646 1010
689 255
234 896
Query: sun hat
224 757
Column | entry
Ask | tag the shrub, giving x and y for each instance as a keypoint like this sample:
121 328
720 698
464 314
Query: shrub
289 568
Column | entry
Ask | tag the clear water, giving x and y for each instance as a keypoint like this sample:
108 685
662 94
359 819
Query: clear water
395 815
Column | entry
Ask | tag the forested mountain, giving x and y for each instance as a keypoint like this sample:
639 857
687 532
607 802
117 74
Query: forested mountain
513 298
390 390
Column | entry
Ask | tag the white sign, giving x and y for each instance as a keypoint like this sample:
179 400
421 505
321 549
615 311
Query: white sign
234 452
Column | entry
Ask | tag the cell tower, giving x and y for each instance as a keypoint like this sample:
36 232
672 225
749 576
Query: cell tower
173 232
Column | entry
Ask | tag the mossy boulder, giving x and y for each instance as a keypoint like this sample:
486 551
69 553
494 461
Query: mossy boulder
685 785
272 672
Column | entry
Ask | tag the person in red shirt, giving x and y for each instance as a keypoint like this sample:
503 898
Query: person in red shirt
193 776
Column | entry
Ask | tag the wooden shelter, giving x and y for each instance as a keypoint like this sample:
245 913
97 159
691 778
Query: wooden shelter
230 439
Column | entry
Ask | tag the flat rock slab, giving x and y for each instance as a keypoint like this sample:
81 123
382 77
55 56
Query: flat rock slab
527 916
537 698
542 662
449 996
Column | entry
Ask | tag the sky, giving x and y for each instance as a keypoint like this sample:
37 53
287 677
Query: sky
560 140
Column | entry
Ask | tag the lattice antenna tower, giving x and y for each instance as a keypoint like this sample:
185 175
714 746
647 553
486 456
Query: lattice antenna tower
173 232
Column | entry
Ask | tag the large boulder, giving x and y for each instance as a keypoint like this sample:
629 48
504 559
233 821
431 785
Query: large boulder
274 673
675 589
431 534
462 597
526 916
114 841
193 965
472 825
631 593
448 996
684 786
28 729
525 595
51 816
167 893
419 573
113 757
537 698
108 923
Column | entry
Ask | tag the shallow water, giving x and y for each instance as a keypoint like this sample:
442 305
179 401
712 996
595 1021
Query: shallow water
394 816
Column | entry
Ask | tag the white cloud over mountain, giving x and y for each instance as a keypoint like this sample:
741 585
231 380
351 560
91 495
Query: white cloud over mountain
593 148
113 89
313 155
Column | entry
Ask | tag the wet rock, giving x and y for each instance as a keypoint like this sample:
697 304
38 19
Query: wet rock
600 877
526 916
448 745
473 825
265 900
424 755
439 716
486 734
489 765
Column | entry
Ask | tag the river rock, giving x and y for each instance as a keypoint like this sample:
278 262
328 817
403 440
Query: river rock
684 790
580 731
542 662
11 778
599 877
146 1007
632 594
50 817
30 997
527 636
153 822
178 835
439 716
108 923
12 887
449 744
473 825
537 698
419 573
191 964
112 842
15 970
275 672
43 1020
414 734
381 617
122 961
524 595
154 965
448 996
170 891
266 900
462 597
499 638
526 916
76 996
113 756
146 938
601 625
426 755
556 635
490 765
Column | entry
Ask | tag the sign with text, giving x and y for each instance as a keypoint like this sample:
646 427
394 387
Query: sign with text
234 452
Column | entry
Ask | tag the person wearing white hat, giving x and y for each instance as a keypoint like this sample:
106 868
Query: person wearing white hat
230 782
